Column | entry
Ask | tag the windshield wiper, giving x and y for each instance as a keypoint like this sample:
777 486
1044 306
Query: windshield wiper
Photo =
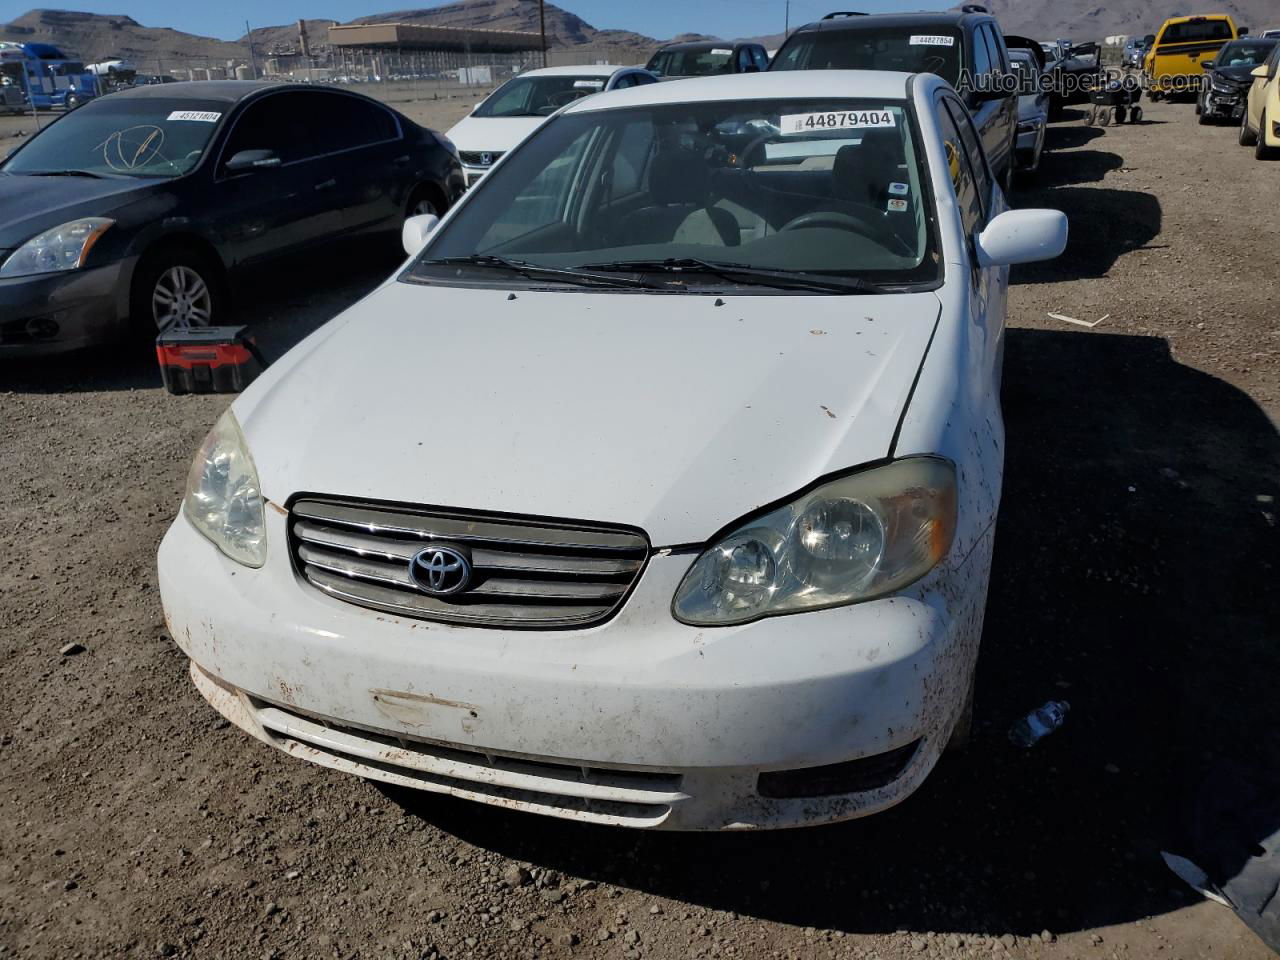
741 272
532 271
69 173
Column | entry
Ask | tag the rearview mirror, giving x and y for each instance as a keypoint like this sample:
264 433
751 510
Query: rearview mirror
417 231
1022 236
248 160
1259 72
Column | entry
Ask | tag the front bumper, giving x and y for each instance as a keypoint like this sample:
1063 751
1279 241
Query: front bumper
473 175
1225 105
641 721
56 312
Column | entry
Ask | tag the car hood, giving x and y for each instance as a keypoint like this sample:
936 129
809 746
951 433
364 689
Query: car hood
34 204
492 134
667 412
1236 76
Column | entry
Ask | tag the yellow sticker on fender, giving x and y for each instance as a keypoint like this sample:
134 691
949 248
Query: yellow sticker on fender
795 123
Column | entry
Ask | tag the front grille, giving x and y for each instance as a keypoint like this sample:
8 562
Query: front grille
526 573
475 158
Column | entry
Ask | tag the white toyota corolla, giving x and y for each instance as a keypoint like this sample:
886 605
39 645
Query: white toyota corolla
656 489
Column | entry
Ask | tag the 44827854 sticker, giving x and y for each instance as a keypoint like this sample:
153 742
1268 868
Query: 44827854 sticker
799 123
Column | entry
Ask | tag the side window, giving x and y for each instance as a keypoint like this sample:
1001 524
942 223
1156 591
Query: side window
279 122
973 149
351 122
981 56
999 52
642 78
962 179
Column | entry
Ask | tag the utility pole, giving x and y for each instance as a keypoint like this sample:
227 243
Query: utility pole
786 23
253 62
542 22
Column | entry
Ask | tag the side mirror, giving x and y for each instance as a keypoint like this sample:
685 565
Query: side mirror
1206 64
416 231
248 160
750 68
1242 32
1022 236
1259 72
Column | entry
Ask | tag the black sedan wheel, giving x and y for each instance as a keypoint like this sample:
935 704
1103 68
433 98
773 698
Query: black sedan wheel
176 289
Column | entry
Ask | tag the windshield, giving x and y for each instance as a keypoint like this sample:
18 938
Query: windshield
830 187
136 137
1244 53
692 63
908 49
538 96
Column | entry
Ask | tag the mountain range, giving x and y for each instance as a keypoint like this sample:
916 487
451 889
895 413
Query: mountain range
93 36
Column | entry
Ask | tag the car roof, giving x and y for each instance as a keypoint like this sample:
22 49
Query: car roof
1197 16
230 91
871 21
704 44
783 85
582 70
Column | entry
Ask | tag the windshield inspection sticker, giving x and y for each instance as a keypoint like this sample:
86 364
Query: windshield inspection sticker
898 189
896 205
588 84
931 40
793 123
202 116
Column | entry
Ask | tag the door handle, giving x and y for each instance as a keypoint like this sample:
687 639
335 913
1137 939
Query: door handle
327 185
401 161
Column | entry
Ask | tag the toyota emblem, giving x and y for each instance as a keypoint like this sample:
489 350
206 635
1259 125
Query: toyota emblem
440 571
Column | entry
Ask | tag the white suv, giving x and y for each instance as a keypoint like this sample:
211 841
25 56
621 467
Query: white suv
657 489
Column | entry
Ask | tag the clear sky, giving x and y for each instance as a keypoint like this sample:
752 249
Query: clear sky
656 18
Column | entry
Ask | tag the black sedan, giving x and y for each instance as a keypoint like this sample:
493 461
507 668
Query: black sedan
138 210
1228 77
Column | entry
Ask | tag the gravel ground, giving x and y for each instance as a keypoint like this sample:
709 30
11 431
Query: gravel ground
1135 576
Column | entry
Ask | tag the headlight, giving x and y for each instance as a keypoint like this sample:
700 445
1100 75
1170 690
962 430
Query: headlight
447 144
65 247
856 538
1223 88
224 499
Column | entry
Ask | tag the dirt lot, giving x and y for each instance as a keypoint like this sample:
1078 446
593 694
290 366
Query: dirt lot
1135 576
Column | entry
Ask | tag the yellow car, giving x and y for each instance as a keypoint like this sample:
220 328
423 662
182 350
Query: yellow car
1260 125
1172 65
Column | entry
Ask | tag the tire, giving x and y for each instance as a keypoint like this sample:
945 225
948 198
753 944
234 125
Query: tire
1105 118
1154 96
1091 118
1204 119
1261 151
1200 111
426 199
1247 137
1136 115
71 102
188 279
1121 114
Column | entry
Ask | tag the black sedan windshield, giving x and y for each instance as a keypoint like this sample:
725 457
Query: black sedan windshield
1244 53
907 49
692 63
815 187
538 96
135 137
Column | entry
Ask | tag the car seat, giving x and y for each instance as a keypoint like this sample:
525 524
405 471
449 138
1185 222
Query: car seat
680 209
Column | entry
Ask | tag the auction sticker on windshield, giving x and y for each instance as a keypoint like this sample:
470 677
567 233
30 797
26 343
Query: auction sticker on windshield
203 116
932 40
793 123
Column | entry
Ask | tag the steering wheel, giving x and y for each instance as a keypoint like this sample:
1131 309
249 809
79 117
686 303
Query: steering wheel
832 218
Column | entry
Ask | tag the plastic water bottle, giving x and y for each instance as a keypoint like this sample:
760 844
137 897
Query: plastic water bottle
1039 723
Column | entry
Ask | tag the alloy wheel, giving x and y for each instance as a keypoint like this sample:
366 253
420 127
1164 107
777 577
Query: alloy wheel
181 298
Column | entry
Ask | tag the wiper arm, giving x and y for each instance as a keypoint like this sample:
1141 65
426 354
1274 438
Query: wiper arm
532 271
69 173
783 279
